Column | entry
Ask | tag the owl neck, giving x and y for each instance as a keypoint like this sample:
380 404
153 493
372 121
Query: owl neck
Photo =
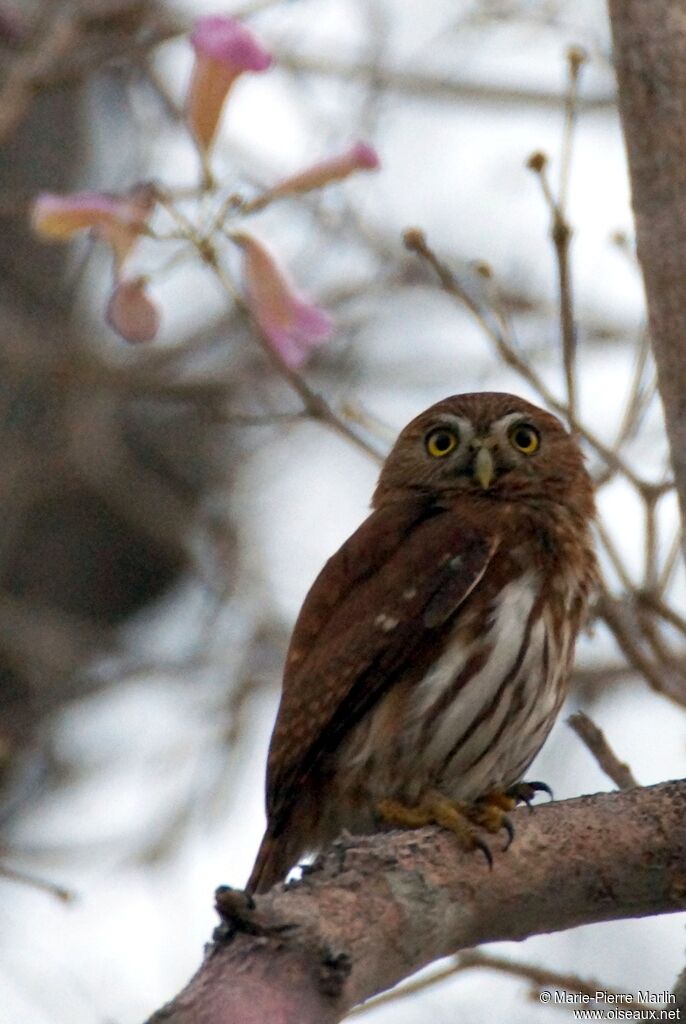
576 504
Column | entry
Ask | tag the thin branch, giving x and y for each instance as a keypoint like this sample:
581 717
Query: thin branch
561 235
671 563
657 643
541 979
665 611
415 241
615 616
650 541
315 405
607 541
417 83
640 394
576 58
60 892
594 738
544 979
562 232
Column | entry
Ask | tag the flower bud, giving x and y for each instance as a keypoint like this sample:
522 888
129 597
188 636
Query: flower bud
360 157
131 312
224 49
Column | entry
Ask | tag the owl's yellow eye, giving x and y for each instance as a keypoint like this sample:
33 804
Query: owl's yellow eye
525 438
441 442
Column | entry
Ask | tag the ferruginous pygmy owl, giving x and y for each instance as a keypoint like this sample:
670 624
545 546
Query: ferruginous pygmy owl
431 656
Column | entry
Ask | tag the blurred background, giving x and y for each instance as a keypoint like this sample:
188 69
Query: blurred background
164 508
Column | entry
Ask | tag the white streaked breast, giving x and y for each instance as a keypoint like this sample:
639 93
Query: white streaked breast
507 632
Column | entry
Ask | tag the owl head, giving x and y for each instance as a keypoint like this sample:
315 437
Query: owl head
491 444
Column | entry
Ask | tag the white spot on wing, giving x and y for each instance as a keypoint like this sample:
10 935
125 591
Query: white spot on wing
386 622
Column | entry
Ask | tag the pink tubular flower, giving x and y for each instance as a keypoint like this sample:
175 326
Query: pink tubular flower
117 219
291 324
224 49
360 157
131 312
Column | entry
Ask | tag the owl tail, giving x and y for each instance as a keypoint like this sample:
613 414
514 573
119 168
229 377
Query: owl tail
271 864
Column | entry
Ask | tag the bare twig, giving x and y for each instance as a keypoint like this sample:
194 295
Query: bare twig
60 892
650 545
541 979
561 235
415 241
594 738
670 564
417 83
665 611
576 57
615 615
616 560
315 405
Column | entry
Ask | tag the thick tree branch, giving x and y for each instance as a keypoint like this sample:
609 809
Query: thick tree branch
650 59
377 909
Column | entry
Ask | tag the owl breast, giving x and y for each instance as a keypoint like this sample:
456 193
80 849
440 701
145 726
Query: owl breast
477 718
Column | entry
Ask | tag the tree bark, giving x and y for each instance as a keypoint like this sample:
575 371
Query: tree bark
378 908
650 60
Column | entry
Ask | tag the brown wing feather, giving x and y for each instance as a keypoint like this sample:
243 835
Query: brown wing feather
400 576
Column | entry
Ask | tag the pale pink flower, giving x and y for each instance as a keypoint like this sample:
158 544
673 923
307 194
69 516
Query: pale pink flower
131 312
224 49
359 157
117 219
290 323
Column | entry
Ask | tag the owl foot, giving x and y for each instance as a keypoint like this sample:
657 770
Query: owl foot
491 812
436 809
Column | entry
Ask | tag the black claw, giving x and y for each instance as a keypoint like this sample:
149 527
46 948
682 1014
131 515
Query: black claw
542 787
506 823
521 794
524 792
486 850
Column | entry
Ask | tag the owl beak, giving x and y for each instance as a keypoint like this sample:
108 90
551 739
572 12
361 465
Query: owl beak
484 468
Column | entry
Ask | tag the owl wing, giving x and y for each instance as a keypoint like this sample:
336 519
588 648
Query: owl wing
377 608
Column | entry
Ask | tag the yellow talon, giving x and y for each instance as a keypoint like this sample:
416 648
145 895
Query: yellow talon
395 813
436 809
490 812
502 800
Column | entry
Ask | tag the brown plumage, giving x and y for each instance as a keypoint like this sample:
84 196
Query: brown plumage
433 650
